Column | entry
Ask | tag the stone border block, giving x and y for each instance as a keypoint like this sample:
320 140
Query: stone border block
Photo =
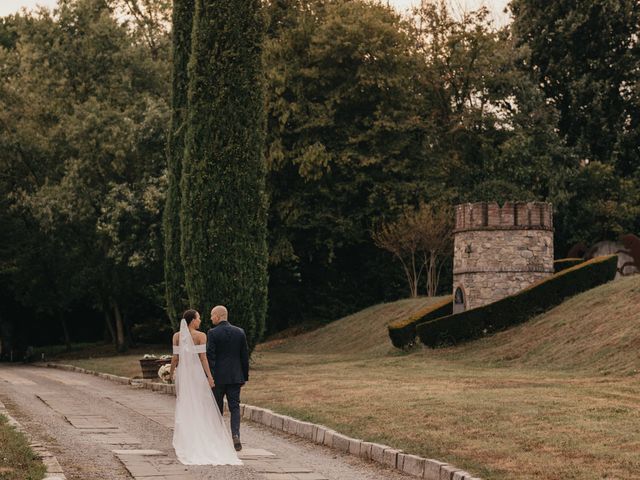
305 430
377 452
341 442
411 464
432 469
291 425
354 447
318 434
277 422
461 475
328 438
390 457
256 414
365 450
267 415
447 471
248 410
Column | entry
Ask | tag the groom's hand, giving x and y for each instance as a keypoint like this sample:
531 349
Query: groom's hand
212 383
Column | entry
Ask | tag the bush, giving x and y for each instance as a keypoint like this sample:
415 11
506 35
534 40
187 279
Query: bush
403 332
564 263
520 307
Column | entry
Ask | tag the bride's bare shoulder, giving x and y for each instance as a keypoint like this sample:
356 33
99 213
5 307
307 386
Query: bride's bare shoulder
176 338
199 338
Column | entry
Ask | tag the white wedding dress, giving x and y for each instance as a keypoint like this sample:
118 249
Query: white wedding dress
200 436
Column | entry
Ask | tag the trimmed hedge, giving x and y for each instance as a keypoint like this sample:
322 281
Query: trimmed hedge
564 263
520 307
403 332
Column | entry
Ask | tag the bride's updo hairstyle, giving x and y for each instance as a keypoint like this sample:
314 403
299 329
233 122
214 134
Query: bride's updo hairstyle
190 316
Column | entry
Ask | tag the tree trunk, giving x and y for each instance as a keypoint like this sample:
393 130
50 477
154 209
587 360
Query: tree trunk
109 328
128 333
65 330
121 343
5 338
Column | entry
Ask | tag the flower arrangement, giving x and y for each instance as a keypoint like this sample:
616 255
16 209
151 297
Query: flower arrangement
151 356
164 372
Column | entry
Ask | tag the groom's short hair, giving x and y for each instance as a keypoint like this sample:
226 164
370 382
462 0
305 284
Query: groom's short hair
221 311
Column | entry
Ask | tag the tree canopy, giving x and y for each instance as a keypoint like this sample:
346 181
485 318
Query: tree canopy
133 174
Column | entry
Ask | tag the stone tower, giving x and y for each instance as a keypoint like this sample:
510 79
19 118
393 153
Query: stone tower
499 251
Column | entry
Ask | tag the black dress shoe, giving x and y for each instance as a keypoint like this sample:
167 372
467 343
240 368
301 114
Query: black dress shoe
236 443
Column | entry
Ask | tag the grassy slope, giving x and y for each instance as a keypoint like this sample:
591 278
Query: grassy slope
363 333
597 331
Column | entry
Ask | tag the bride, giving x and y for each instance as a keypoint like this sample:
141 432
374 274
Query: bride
200 436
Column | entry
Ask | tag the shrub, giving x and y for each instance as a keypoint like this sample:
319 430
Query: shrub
403 332
564 263
520 307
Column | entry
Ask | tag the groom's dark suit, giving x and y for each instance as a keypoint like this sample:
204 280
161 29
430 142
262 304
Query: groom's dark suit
228 357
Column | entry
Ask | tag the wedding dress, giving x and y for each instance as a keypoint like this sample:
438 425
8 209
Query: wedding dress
200 436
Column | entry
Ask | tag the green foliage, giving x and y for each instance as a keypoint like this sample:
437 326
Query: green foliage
604 205
223 203
403 332
82 131
520 307
345 145
564 263
370 114
173 270
494 135
586 56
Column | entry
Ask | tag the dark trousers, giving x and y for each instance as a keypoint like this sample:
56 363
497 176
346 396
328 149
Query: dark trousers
232 392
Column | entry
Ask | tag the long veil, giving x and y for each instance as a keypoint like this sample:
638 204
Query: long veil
200 436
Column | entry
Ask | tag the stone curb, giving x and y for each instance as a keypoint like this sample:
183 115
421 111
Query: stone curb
54 470
425 468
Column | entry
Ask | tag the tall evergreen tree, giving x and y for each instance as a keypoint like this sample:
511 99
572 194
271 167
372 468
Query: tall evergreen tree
173 271
223 208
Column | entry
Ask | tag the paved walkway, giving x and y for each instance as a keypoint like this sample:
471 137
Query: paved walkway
99 430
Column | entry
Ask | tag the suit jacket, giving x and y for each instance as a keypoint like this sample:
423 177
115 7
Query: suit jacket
228 354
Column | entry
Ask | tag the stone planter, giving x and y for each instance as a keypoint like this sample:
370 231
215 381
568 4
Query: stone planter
150 366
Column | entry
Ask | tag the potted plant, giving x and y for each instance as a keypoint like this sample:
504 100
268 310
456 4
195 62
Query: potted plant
149 364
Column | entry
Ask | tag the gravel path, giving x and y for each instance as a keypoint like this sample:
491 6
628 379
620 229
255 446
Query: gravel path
41 399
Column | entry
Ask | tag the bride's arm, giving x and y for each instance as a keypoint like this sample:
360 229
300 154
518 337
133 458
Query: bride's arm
207 370
174 358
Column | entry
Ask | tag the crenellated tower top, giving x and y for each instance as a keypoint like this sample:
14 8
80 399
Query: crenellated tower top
510 216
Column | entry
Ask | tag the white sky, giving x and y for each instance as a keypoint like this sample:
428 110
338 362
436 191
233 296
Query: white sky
496 6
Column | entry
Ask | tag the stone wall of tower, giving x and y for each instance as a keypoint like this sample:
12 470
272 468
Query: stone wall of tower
499 251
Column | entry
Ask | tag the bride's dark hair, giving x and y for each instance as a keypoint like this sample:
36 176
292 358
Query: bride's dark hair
190 315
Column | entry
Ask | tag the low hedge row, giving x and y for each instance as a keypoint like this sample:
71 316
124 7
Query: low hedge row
564 263
403 332
520 307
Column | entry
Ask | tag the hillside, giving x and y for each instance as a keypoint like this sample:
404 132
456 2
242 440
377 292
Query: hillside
597 331
364 332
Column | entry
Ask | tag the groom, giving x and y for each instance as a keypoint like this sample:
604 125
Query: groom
228 357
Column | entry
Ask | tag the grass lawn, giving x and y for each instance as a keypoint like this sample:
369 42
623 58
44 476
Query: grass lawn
557 397
102 358
17 460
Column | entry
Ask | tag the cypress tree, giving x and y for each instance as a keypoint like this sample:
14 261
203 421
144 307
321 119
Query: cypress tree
223 209
173 271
